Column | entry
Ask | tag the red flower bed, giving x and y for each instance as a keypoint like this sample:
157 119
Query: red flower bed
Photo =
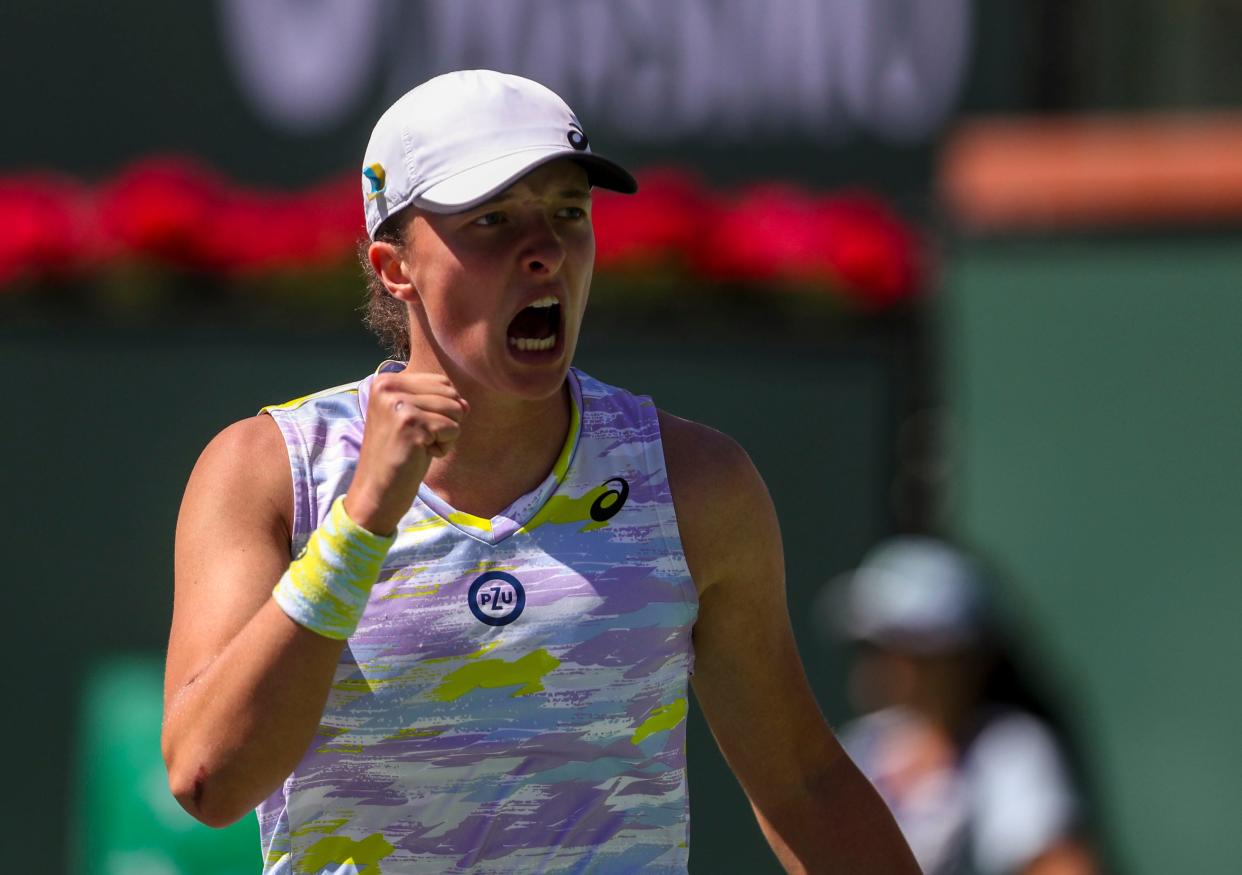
177 213
44 227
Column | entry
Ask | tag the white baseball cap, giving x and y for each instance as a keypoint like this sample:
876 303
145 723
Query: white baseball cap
460 138
913 593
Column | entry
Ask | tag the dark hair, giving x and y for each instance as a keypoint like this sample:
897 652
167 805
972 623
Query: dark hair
384 315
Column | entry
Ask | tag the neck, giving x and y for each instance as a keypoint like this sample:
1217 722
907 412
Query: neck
506 448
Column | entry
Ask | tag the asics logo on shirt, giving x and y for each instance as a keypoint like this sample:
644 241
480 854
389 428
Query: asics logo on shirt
607 505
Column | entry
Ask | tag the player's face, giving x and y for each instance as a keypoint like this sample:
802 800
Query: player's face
502 287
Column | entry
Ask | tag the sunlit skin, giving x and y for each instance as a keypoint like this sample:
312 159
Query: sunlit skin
463 277
482 424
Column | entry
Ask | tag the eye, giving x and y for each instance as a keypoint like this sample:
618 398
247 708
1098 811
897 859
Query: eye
571 213
492 218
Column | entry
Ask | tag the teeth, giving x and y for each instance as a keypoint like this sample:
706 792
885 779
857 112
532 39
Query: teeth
529 343
547 301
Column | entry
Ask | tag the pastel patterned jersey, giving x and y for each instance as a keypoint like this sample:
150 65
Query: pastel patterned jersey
514 698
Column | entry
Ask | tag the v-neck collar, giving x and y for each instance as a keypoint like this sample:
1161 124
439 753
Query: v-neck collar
521 511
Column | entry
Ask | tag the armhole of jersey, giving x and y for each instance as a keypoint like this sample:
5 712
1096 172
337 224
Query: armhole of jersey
667 513
277 849
299 468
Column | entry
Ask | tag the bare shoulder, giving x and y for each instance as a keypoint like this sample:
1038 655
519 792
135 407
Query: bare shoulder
241 489
722 504
707 467
256 438
232 541
246 460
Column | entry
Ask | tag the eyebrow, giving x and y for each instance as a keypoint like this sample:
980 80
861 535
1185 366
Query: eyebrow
498 199
569 193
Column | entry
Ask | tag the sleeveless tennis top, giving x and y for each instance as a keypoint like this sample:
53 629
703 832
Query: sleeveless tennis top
514 697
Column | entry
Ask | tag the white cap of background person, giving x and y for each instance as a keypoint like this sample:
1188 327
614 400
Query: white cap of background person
910 593
459 139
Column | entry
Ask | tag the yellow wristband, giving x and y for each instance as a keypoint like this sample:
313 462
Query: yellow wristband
327 587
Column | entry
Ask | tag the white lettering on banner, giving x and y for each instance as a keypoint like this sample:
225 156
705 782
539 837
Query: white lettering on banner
893 68
657 70
302 63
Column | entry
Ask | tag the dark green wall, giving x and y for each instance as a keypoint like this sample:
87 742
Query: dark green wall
1097 384
106 420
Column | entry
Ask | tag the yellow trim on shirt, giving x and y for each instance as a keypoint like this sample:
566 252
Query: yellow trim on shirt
347 388
461 518
561 468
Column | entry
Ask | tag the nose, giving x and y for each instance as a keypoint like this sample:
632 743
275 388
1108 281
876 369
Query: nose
544 252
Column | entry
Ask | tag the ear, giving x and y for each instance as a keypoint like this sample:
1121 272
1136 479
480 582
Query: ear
389 264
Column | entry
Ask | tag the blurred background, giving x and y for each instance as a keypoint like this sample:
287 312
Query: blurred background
967 270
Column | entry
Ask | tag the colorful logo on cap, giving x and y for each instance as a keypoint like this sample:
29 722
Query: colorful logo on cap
374 174
576 137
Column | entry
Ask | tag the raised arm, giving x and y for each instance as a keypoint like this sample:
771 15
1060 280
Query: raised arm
815 808
245 685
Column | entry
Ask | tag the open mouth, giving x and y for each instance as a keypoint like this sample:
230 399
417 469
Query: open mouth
536 326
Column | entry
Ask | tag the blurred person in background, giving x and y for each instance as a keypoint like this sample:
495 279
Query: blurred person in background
966 753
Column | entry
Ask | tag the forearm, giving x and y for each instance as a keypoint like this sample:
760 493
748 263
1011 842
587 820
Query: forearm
232 734
839 824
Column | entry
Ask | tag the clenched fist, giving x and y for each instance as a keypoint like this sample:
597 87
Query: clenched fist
411 419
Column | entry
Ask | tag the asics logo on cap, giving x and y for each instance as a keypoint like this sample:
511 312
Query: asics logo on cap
375 175
577 138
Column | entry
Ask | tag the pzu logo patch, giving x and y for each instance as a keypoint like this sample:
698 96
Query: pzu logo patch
496 598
